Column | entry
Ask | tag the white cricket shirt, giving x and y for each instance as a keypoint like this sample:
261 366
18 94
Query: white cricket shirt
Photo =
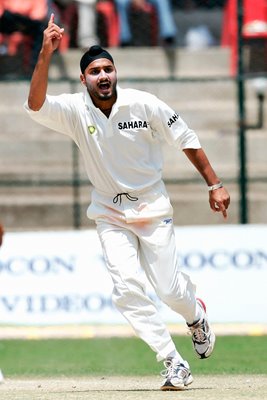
121 153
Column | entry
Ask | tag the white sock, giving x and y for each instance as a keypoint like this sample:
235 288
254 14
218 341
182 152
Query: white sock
176 357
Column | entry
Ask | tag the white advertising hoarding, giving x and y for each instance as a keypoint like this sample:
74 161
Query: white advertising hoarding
60 277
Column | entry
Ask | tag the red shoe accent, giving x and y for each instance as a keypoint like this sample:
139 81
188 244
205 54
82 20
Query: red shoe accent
202 303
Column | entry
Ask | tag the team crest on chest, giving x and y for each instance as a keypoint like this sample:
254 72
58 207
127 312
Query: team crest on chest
91 129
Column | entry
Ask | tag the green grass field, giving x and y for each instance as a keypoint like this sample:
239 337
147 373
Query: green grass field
129 356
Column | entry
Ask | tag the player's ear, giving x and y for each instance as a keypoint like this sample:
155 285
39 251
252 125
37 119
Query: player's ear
82 79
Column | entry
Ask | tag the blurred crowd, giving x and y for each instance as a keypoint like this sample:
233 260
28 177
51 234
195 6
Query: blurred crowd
110 23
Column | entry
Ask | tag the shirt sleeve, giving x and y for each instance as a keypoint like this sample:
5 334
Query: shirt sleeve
172 128
57 113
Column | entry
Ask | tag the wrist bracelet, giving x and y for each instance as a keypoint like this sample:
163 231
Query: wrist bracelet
214 187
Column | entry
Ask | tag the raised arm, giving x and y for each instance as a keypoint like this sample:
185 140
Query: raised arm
51 40
219 198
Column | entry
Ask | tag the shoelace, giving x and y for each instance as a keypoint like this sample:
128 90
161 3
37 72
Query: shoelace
168 364
198 332
118 197
172 369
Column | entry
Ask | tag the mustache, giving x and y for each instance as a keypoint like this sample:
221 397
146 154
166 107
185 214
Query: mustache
104 81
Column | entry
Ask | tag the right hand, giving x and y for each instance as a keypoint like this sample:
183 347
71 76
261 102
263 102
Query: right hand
52 36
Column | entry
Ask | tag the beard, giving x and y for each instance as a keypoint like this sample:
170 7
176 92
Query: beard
96 93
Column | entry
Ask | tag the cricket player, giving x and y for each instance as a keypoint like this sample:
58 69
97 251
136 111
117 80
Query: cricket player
120 134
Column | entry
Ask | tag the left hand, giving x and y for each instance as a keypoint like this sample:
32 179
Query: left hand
219 200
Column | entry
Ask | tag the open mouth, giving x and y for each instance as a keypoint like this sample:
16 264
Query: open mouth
104 86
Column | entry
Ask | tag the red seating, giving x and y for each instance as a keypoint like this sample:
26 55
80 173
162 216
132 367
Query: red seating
107 14
254 26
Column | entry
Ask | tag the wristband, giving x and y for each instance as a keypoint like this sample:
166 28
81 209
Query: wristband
216 186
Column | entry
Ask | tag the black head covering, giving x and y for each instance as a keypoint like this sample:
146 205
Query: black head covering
92 54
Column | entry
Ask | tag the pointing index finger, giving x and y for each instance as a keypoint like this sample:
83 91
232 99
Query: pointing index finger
224 213
52 18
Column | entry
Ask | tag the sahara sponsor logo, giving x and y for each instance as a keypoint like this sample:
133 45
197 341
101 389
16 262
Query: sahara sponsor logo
173 119
135 124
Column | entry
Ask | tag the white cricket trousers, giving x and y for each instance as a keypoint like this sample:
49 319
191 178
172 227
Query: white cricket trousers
151 245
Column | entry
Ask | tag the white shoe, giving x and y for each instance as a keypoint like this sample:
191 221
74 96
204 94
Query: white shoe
177 375
203 337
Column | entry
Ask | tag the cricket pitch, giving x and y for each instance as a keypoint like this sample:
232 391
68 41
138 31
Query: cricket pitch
230 387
